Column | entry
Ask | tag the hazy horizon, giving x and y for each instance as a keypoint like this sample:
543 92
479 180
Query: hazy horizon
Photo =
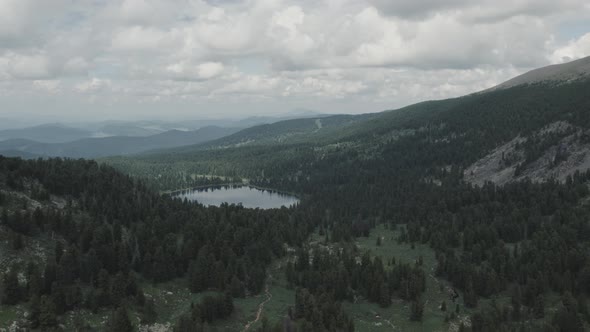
30 120
153 59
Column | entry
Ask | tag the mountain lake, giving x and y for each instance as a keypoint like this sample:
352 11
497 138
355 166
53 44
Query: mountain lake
249 197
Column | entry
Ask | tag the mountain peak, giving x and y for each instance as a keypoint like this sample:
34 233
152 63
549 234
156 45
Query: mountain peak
560 73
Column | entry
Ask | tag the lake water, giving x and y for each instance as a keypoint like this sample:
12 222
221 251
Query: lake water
249 197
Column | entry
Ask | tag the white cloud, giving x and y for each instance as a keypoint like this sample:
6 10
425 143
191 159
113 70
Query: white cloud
209 69
251 84
36 66
575 49
363 54
188 71
137 38
50 86
476 11
76 65
93 85
142 12
223 32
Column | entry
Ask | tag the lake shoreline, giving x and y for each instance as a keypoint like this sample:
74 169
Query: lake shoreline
229 184
249 196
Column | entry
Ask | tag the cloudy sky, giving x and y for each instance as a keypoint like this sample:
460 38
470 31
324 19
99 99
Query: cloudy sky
106 59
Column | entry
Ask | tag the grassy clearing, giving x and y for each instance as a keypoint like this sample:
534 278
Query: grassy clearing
276 308
8 314
371 317
172 298
94 320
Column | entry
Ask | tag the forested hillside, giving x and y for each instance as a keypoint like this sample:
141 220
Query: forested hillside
431 134
105 234
526 241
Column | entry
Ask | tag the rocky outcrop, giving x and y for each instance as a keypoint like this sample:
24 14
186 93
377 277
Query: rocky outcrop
509 162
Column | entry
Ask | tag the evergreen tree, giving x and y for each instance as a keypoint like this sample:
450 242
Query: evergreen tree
416 310
228 304
539 308
148 312
516 302
120 322
237 288
384 296
17 241
470 297
47 313
59 250
10 291
187 324
34 312
34 281
4 216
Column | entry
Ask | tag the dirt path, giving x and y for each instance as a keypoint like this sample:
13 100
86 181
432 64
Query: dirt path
260 308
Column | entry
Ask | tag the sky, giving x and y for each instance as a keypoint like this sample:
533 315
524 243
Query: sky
188 59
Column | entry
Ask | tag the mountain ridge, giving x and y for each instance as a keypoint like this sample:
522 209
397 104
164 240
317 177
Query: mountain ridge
47 133
114 145
559 73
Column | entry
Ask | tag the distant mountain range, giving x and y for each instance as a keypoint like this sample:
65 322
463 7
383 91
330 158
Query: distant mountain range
67 132
114 145
108 138
49 133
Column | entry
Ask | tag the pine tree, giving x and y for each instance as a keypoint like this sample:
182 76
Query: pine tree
17 241
228 304
516 302
4 217
34 312
187 324
59 250
384 296
539 308
118 289
469 297
416 310
237 288
34 281
462 327
49 276
10 291
148 312
47 313
58 297
120 321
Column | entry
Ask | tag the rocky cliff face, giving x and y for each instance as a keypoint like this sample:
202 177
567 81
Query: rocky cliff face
555 152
